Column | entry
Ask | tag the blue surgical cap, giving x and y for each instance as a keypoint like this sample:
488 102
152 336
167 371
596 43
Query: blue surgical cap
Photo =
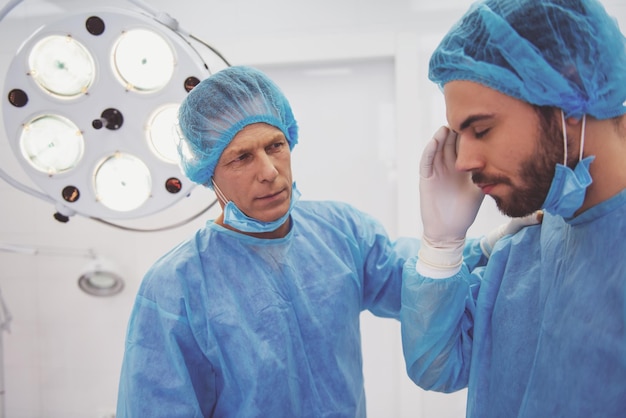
222 105
569 54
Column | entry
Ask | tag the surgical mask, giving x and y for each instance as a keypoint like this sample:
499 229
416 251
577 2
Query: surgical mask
234 217
568 188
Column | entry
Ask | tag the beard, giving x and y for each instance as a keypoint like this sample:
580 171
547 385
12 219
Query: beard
536 172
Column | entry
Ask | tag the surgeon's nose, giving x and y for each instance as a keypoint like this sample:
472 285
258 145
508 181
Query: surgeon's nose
267 169
468 155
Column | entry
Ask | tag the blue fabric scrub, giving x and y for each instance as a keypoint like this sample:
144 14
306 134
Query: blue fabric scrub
538 332
228 325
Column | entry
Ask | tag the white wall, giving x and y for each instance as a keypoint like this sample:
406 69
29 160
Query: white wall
355 72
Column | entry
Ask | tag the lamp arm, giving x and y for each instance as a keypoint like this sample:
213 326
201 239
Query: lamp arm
142 5
8 7
172 23
50 251
215 51
5 316
159 16
4 176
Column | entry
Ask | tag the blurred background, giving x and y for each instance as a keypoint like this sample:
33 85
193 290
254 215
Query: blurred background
355 72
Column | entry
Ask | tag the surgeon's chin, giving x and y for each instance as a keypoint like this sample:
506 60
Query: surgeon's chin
274 213
515 208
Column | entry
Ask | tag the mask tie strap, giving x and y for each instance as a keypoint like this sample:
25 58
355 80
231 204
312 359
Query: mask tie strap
582 138
564 139
219 193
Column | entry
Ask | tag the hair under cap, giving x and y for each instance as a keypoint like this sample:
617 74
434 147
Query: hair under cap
569 54
222 105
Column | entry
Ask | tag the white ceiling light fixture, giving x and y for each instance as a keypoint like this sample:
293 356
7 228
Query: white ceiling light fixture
90 103
99 277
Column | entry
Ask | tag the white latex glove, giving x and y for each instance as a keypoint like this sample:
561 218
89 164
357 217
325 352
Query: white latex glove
511 227
449 202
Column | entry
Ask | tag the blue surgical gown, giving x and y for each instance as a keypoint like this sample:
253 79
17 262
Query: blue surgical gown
538 331
229 325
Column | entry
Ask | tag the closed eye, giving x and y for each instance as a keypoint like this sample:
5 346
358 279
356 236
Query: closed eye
241 157
481 134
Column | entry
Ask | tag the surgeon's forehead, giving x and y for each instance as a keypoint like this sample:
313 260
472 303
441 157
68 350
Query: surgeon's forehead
252 136
468 102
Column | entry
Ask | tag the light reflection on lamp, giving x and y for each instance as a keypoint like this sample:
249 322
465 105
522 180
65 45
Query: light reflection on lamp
90 106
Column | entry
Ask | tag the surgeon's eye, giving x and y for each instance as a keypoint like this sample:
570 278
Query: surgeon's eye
241 158
481 133
276 146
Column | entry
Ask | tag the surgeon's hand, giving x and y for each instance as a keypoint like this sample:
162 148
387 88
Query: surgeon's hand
449 201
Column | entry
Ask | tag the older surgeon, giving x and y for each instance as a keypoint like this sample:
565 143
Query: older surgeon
535 95
257 314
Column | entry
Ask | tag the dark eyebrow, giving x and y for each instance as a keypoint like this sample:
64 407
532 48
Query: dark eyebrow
475 118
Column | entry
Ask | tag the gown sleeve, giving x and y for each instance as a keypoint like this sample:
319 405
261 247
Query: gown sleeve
437 317
164 372
380 264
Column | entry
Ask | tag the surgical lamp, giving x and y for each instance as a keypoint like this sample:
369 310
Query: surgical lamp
99 277
90 104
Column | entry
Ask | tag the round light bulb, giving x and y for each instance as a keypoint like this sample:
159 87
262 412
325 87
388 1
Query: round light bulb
143 60
122 182
61 66
52 144
161 133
